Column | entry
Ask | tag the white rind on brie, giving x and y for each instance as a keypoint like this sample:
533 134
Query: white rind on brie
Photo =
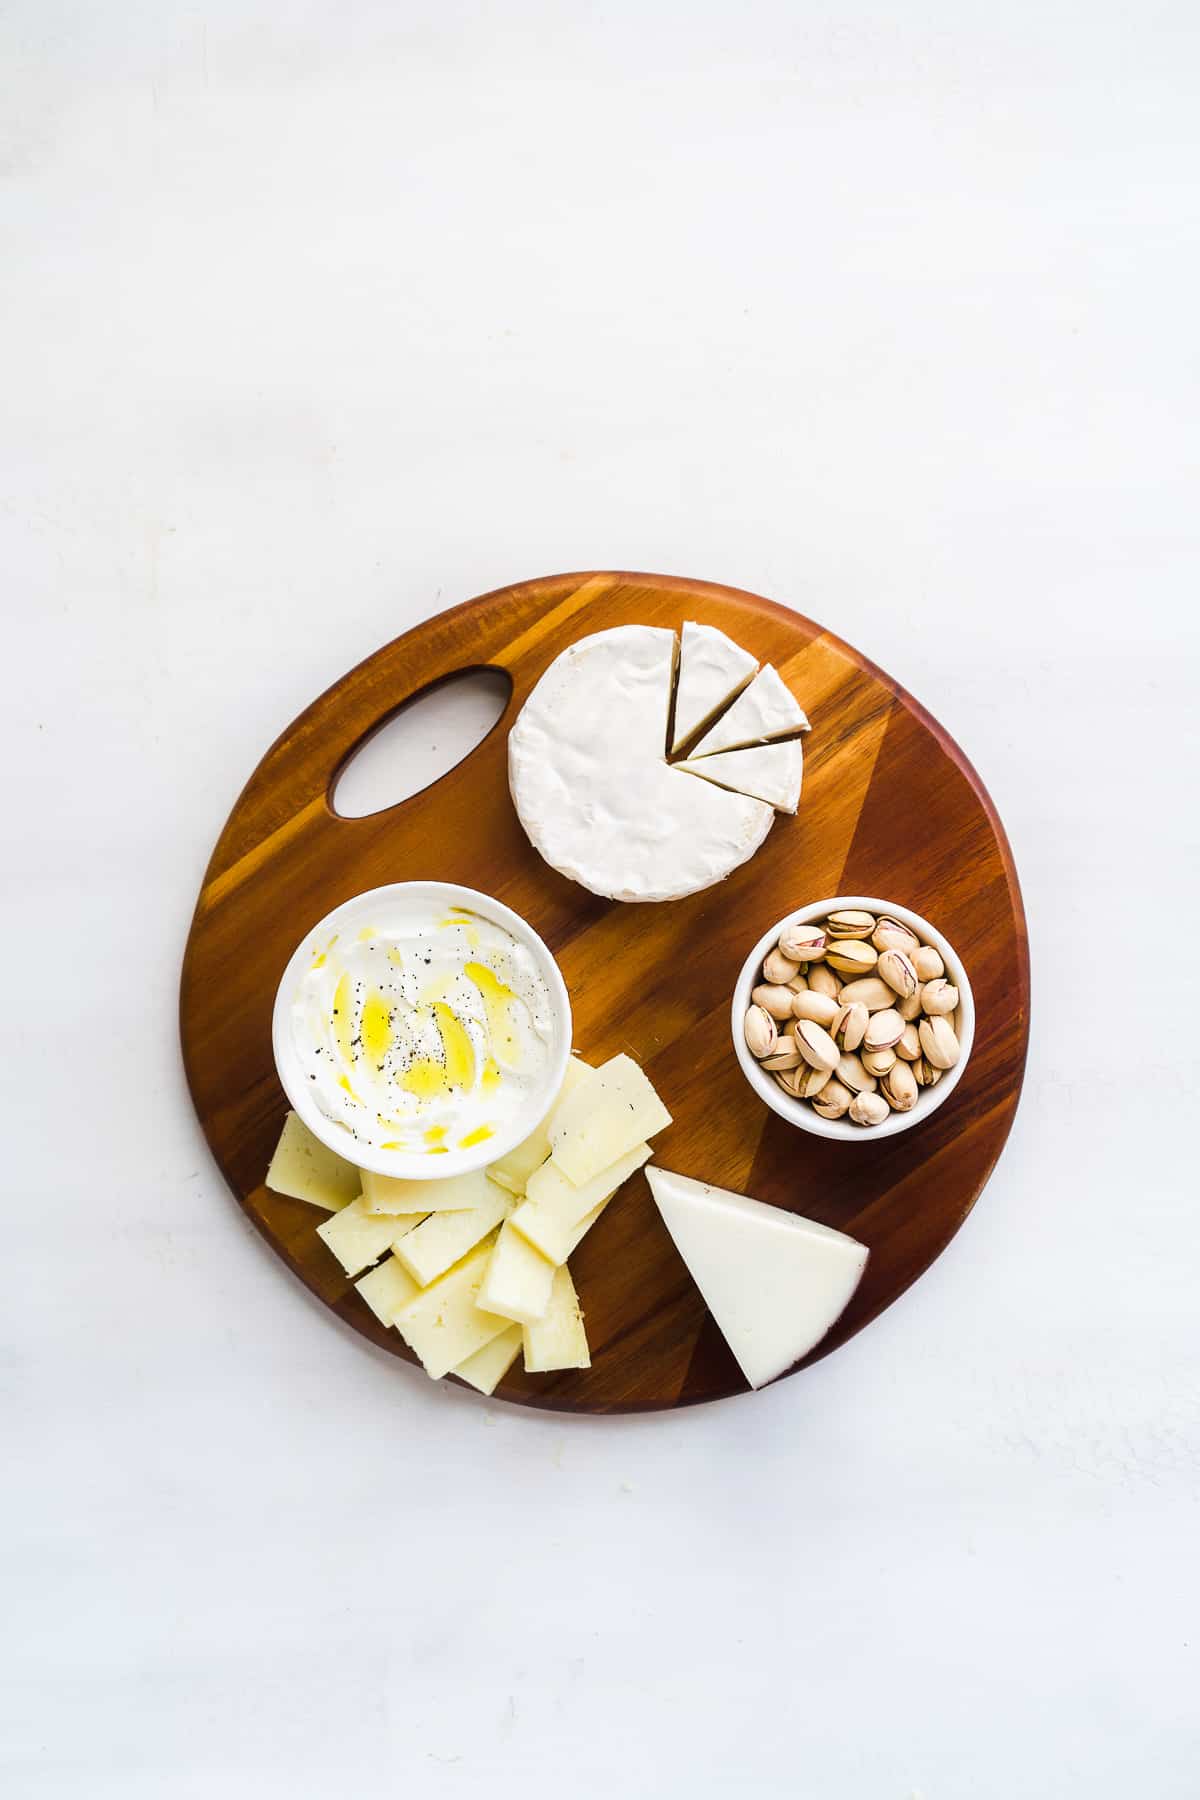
767 709
768 772
589 780
712 670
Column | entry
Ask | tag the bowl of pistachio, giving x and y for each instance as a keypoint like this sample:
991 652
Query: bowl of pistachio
853 1018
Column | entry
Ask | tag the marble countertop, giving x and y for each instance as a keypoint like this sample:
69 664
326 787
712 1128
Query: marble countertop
317 320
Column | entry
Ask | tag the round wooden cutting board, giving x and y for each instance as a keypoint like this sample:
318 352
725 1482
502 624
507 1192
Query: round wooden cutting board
891 807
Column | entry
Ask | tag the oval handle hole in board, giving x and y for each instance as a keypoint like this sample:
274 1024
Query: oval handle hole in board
419 743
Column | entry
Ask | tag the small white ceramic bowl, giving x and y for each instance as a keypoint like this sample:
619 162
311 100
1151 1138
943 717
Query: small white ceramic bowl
800 1112
370 909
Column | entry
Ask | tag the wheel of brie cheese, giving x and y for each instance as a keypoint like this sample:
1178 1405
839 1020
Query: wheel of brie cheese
588 770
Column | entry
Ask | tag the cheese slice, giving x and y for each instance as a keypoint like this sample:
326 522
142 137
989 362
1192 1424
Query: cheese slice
769 772
307 1169
403 1223
548 1234
442 1323
768 709
558 1339
605 1120
518 1280
358 1237
386 1194
386 1289
443 1237
590 782
555 1206
712 669
774 1282
513 1169
488 1367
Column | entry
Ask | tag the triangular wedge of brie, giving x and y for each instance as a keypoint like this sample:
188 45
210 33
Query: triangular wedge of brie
775 1283
768 772
712 670
767 709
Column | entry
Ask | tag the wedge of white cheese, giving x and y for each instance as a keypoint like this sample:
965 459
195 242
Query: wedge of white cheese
767 709
590 782
769 772
775 1283
605 1120
306 1169
488 1367
558 1340
712 669
443 1324
440 1240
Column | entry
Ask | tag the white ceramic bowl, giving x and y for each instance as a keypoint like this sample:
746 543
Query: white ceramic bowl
800 1112
368 909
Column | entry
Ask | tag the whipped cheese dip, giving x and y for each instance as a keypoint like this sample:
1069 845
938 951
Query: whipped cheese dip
426 1031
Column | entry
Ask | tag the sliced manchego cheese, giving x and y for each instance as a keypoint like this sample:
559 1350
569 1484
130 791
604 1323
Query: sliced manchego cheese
443 1324
548 1234
712 669
774 1282
766 709
488 1367
558 1340
555 1207
307 1169
513 1169
455 1193
386 1288
358 1237
442 1238
548 1186
605 1119
768 772
518 1280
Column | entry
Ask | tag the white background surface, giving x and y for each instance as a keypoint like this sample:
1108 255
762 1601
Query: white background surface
318 318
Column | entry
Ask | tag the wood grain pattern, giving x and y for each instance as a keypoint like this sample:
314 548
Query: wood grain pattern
891 807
